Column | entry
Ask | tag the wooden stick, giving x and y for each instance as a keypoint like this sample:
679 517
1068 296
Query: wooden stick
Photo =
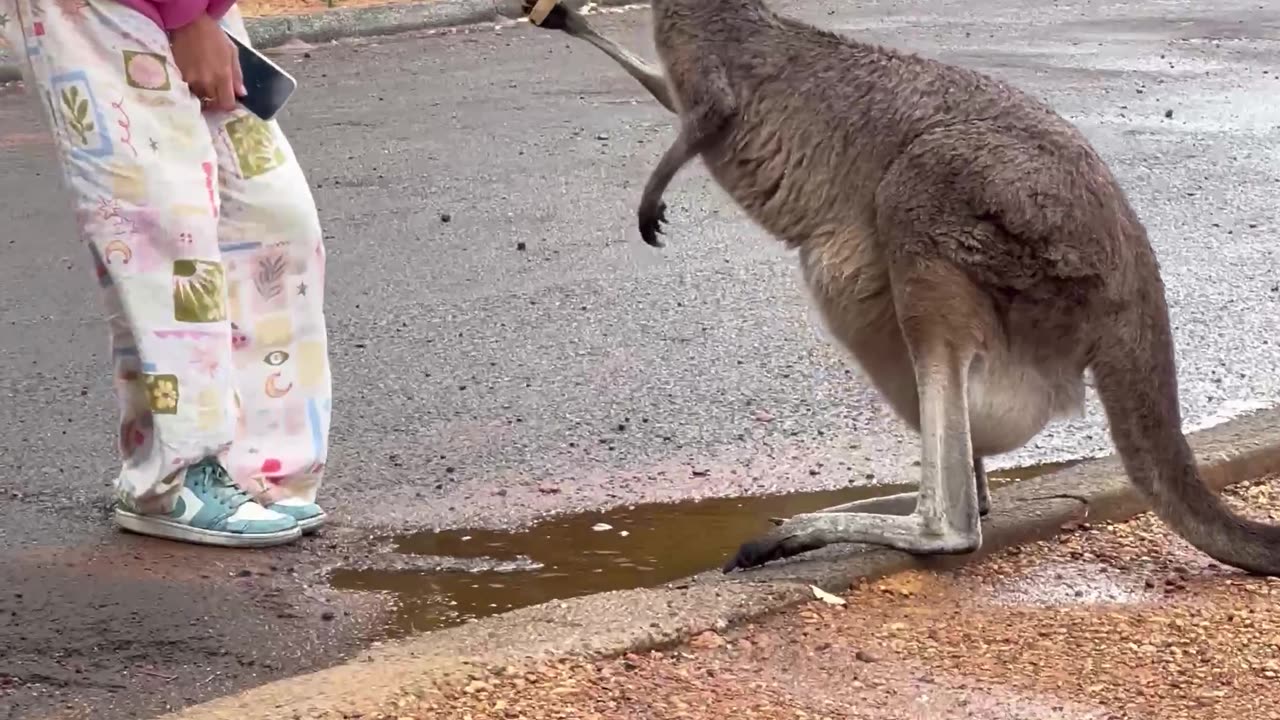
541 10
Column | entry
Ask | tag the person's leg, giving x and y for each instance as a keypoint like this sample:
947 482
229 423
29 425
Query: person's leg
140 166
274 253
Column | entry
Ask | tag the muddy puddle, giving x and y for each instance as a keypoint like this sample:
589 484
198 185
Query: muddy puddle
441 579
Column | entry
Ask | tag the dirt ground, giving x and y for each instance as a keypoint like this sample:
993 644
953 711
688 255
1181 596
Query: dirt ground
1111 622
271 8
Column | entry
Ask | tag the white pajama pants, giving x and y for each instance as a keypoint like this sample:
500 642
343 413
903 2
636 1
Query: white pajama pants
207 246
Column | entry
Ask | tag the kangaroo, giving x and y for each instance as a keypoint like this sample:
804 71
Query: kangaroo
965 244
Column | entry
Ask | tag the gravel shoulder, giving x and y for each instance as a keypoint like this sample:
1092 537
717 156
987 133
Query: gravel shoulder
1110 621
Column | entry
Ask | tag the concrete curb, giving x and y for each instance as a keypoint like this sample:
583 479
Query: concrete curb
330 25
613 623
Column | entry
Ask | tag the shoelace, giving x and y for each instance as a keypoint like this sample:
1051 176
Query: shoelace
215 480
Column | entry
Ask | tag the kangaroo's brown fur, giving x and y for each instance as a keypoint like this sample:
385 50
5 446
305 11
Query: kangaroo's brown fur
963 241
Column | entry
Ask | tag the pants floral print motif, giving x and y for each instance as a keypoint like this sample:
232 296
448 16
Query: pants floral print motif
208 248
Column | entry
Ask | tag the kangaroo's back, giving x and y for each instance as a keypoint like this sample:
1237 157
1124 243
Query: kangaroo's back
820 118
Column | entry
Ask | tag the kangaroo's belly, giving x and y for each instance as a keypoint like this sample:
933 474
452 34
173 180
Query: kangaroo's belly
1010 400
1010 403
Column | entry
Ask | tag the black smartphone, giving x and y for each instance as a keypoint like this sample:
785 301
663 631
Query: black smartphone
267 85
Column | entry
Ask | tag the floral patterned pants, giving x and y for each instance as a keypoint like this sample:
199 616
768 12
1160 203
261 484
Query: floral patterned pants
208 249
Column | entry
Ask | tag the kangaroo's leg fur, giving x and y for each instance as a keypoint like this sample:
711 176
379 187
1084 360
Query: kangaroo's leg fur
980 484
702 126
904 503
930 298
573 23
861 316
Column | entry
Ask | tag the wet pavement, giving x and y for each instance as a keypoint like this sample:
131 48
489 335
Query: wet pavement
506 351
439 579
1109 622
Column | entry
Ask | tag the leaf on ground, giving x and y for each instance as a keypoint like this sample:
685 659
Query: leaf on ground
827 597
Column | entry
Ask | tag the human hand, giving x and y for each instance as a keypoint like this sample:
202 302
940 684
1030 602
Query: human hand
209 63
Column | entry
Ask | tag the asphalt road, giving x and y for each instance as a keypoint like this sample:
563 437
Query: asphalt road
472 376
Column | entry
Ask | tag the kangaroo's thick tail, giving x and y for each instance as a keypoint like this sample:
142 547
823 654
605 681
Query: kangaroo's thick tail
1134 372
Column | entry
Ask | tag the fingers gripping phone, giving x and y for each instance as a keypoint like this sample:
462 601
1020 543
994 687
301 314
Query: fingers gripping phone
267 86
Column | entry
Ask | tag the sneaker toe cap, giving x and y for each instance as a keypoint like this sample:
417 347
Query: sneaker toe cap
263 526
252 518
299 512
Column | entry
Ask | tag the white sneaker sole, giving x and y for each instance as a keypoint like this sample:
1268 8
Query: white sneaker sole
313 524
169 530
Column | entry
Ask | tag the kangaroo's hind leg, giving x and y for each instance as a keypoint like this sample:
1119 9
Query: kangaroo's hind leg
942 314
861 316
980 486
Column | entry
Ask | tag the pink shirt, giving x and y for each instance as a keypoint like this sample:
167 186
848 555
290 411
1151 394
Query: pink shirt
170 14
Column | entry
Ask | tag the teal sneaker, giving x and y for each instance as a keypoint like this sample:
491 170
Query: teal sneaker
212 510
308 514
